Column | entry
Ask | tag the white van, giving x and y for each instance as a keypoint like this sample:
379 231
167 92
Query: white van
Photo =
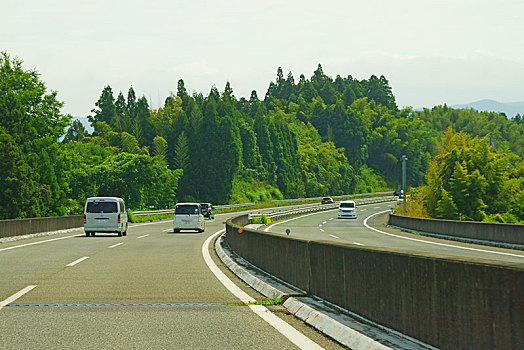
347 209
105 214
188 216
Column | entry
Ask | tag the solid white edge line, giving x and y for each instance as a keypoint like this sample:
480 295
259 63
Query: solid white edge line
77 261
47 240
116 245
15 296
283 327
434 243
356 243
79 235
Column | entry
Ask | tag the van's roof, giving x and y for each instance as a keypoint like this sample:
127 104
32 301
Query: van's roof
347 201
188 203
91 199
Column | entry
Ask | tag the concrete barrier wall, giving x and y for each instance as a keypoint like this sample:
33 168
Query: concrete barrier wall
503 233
9 228
445 302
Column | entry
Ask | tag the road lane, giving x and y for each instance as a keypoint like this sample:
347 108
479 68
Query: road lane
353 231
152 292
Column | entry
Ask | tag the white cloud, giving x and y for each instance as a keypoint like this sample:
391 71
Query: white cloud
431 51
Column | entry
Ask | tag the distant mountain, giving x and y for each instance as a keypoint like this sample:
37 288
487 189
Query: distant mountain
510 109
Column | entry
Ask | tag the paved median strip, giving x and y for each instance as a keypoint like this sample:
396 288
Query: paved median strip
115 245
15 296
78 261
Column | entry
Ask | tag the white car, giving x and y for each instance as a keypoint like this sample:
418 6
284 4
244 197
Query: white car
105 214
188 216
347 209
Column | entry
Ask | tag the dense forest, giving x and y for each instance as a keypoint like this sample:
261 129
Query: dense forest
312 137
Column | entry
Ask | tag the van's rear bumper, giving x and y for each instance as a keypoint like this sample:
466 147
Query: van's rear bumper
347 216
108 229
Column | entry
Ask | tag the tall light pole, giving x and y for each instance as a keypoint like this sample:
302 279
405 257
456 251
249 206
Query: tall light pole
404 158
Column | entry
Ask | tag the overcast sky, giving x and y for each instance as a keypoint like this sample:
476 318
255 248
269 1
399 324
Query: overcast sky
431 51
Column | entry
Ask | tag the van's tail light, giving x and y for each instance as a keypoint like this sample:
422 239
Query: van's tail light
118 220
85 219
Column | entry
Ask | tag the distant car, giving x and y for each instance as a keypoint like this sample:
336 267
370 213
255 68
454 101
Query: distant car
327 200
188 216
347 209
207 210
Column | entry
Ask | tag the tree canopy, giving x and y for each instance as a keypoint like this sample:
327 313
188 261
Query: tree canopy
308 137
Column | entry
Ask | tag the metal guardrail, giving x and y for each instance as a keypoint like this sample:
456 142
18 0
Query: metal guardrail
170 211
227 206
334 197
305 209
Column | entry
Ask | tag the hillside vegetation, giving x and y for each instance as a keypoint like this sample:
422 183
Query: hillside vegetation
312 137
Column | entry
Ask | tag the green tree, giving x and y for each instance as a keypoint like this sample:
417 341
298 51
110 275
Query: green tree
446 208
30 126
182 152
106 111
76 132
159 149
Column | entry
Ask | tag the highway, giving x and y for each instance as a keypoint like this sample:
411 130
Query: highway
325 226
149 290
154 289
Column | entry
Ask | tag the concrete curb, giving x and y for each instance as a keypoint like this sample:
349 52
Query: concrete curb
348 329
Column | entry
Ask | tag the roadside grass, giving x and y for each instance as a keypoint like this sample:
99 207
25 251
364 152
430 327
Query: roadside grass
262 219
147 218
266 302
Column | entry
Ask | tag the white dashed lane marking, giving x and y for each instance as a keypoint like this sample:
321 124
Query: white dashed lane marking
116 245
78 261
15 296
142 236
334 236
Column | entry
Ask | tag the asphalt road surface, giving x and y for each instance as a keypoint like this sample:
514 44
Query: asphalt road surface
149 290
325 226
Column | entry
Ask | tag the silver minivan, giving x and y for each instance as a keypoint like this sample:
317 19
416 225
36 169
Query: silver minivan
188 216
347 209
105 214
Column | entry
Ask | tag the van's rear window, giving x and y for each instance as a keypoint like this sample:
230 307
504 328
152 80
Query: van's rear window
347 205
186 209
101 207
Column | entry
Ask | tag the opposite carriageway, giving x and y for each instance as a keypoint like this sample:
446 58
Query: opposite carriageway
444 300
